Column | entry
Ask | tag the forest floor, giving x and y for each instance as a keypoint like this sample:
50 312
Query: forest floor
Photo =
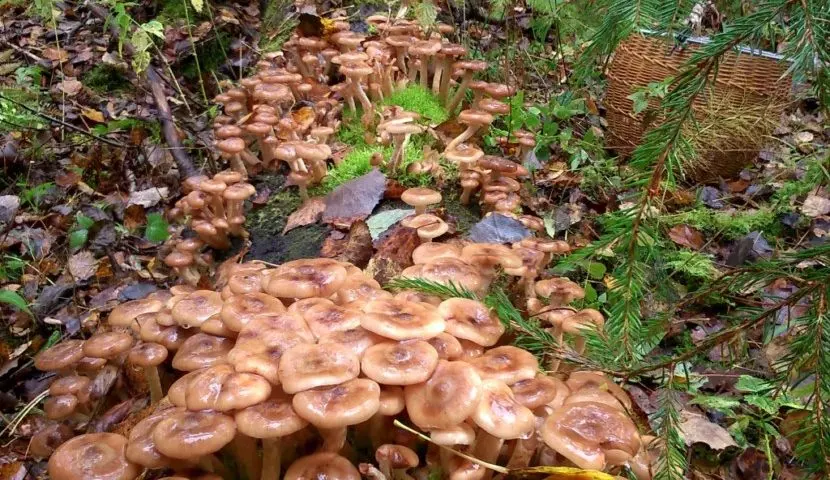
87 181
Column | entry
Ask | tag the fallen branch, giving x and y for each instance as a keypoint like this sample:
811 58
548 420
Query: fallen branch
168 124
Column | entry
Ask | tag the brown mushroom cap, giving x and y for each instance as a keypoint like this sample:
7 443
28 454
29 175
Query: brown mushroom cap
427 252
200 351
488 255
499 414
124 314
60 356
324 465
147 354
93 455
583 432
464 154
589 394
70 384
239 310
447 346
401 320
401 363
539 391
196 307
396 456
471 320
189 435
391 400
141 448
446 270
58 407
264 340
315 277
338 406
560 290
245 282
307 366
275 417
581 380
107 345
357 339
323 319
507 364
222 389
48 438
420 196
446 399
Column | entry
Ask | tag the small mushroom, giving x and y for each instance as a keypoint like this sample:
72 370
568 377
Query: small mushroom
394 460
420 198
401 320
307 366
60 356
316 277
149 356
93 455
446 399
401 363
469 67
471 320
474 119
323 465
192 435
507 364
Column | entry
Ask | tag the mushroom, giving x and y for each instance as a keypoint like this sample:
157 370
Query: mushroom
222 389
264 340
581 380
427 226
193 435
323 319
61 356
357 339
559 291
401 320
590 433
507 364
425 49
486 256
401 44
427 252
307 366
447 346
539 391
44 442
474 119
443 70
200 351
240 309
93 455
184 265
332 409
323 465
449 270
196 308
108 345
401 363
471 320
356 72
399 132
315 277
446 399
469 68
500 418
394 460
420 198
124 314
149 356
271 421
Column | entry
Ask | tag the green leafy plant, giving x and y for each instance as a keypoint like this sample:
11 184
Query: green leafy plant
79 233
33 196
156 229
15 300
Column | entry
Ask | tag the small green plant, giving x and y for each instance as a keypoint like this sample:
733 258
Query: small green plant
106 78
15 300
654 91
79 233
33 196
11 268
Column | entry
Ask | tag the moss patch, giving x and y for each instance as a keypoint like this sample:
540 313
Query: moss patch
104 78
415 98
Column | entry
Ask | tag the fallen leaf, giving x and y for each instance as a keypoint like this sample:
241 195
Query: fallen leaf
55 54
498 228
93 115
355 199
561 473
82 265
394 253
70 86
686 236
815 205
695 428
149 197
355 248
380 222
8 207
307 214
67 179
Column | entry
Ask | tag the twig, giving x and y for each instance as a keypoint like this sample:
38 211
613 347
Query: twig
168 125
63 124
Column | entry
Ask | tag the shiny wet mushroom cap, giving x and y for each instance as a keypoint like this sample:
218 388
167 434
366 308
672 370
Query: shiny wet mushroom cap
202 350
275 417
420 198
316 277
60 356
539 391
307 366
338 406
322 466
499 414
222 389
401 320
107 345
190 435
471 320
93 455
507 364
124 314
239 309
447 398
197 307
401 363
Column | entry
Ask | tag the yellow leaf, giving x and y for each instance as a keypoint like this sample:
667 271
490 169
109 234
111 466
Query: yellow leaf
93 115
197 5
562 473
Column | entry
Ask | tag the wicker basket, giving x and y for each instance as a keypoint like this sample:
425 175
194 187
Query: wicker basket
747 80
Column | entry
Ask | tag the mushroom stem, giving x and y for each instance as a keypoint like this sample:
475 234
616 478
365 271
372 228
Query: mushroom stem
424 71
393 162
244 450
238 165
437 75
523 452
459 94
270 459
153 384
465 135
333 439
303 193
465 195
487 449
444 91
361 95
401 59
557 335
413 72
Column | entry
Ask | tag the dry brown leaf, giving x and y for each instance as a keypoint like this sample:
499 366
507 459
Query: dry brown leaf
695 428
686 236
55 54
82 265
70 86
815 205
308 213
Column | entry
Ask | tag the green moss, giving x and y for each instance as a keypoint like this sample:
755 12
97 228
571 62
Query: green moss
415 98
212 54
465 215
354 164
730 224
104 78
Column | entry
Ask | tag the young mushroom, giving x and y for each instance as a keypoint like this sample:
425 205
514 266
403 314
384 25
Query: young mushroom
93 455
149 356
474 119
420 198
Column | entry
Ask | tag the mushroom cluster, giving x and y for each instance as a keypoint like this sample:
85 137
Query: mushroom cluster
214 209
287 360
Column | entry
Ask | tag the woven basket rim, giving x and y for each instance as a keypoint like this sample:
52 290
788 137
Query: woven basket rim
703 40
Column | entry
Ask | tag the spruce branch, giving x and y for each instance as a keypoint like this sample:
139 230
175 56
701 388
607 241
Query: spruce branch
672 463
